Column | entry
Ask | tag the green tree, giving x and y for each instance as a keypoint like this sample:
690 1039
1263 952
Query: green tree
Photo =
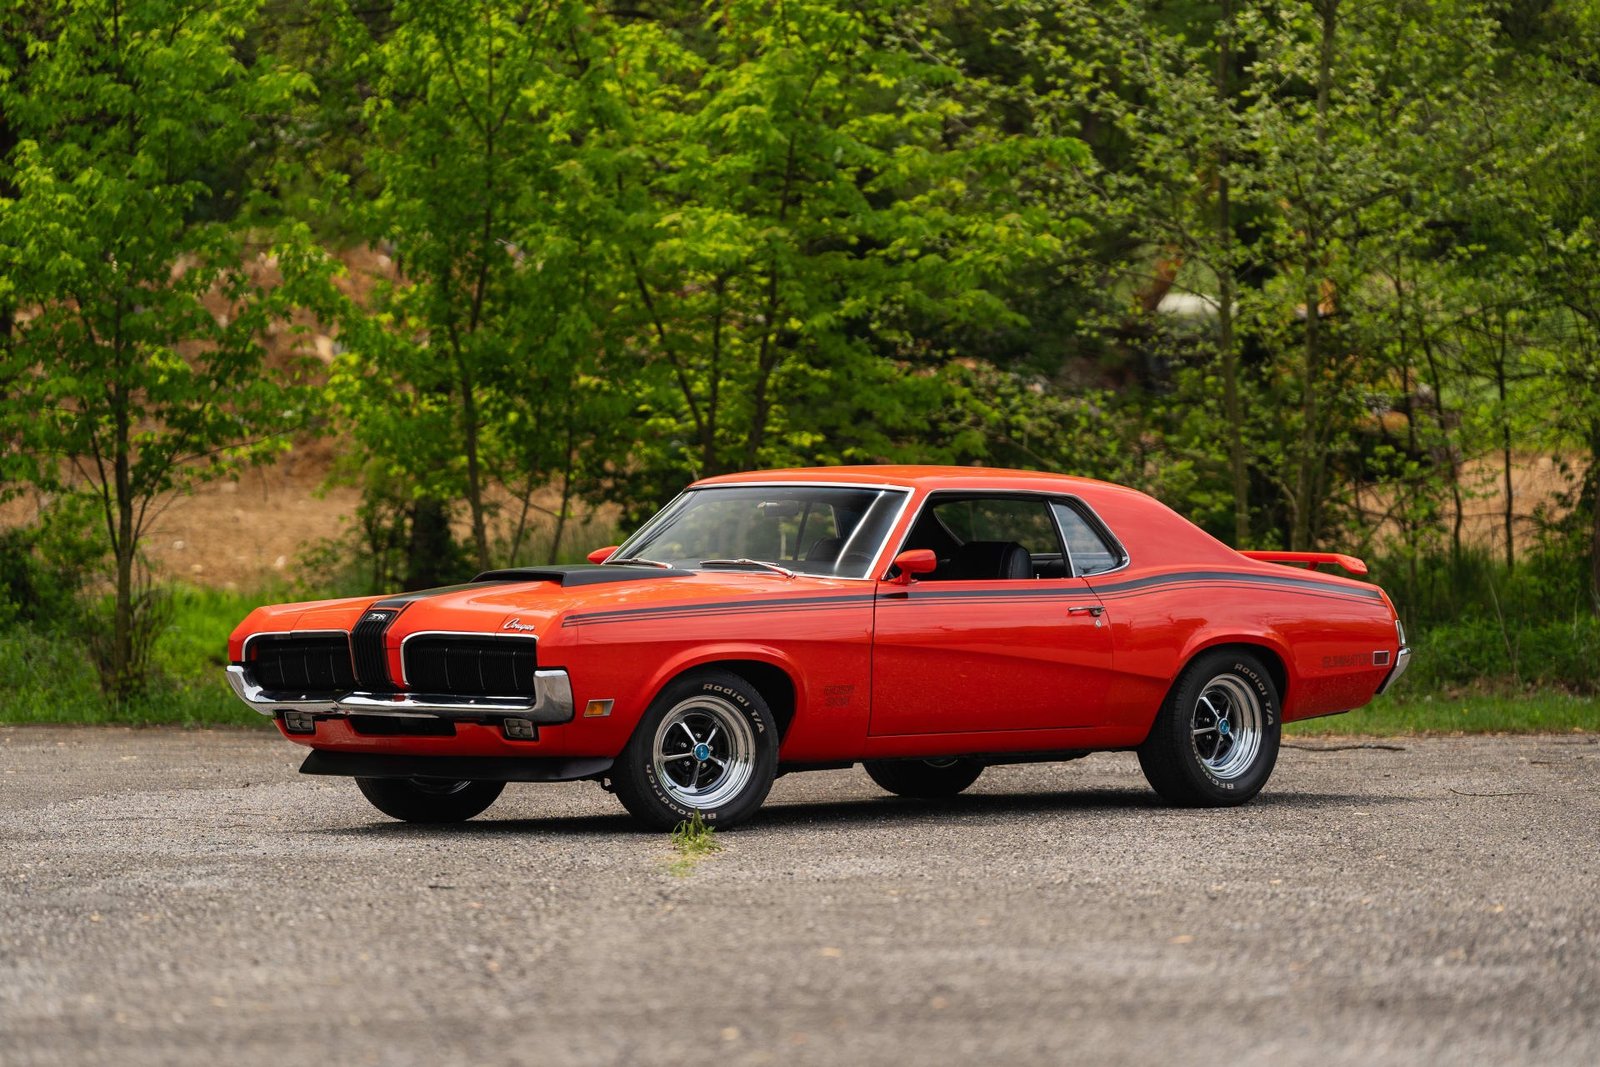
474 376
135 359
816 195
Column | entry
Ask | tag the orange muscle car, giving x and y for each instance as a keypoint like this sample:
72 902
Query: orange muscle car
924 621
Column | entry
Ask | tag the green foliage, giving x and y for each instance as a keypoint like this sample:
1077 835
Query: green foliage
1486 653
48 675
1297 267
692 841
136 369
1404 714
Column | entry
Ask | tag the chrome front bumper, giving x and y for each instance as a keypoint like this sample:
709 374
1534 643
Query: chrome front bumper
1402 660
550 704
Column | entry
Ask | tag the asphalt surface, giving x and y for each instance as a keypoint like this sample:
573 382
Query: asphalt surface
175 897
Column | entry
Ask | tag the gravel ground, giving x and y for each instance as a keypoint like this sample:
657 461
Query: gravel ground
186 898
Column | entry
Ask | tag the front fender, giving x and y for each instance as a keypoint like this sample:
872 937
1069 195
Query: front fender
722 652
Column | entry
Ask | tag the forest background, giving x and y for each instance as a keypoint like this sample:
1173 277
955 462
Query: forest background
506 275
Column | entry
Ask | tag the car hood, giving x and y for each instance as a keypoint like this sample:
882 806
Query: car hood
537 601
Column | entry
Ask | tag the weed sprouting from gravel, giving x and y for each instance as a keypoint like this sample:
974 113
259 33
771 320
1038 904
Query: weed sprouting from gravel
693 841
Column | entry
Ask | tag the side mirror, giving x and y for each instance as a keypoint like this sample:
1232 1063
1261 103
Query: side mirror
600 555
912 562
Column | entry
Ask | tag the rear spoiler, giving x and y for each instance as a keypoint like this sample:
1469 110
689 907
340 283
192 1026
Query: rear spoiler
1310 560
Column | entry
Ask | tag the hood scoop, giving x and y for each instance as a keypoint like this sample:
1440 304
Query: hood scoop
577 574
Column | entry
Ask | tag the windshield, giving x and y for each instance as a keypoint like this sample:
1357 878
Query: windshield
812 529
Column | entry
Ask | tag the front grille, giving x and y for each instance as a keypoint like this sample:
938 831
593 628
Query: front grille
470 665
288 663
402 726
366 650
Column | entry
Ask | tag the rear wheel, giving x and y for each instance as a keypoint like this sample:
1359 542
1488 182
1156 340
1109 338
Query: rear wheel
429 799
708 744
1215 741
926 778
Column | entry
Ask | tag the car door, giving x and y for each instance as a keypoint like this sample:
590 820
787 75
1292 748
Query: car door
978 645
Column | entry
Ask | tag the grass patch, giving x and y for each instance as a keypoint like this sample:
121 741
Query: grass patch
47 676
693 841
1476 713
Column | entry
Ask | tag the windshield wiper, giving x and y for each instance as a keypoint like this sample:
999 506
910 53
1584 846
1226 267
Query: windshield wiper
742 562
640 559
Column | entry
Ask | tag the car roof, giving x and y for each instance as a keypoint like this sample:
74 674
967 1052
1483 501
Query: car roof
919 477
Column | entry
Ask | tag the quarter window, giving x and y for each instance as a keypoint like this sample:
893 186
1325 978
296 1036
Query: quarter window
1090 552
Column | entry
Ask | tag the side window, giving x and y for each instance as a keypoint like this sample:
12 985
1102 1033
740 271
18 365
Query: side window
1024 522
1090 552
988 538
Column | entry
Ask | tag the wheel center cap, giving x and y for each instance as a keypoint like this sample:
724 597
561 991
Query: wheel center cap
702 752
1223 728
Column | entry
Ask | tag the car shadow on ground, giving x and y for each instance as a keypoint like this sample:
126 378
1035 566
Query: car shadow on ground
878 810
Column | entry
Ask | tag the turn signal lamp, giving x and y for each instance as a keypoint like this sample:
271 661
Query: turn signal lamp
597 709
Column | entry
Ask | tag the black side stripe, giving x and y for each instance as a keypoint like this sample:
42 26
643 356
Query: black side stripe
1311 584
727 607
1117 591
1116 598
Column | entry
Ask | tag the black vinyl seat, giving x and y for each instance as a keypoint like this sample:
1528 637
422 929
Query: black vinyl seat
824 550
980 560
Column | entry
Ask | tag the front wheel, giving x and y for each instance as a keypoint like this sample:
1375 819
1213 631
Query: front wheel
926 778
1215 740
708 744
429 799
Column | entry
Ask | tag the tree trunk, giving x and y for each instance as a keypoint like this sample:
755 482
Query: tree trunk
122 684
1594 508
566 488
708 428
1301 533
428 557
1232 409
1309 476
1505 451
469 420
1444 435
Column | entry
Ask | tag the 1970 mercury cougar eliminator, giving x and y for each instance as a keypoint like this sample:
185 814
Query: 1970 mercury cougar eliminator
924 621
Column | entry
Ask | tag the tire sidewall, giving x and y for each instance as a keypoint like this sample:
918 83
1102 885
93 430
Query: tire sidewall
925 779
1249 670
748 703
401 798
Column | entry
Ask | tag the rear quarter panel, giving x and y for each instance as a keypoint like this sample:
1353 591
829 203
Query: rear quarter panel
1184 592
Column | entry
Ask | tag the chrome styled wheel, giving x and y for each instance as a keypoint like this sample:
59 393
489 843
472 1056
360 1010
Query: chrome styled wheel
1225 726
704 751
708 744
1215 739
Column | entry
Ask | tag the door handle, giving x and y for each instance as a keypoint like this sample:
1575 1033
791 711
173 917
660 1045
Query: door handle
1096 611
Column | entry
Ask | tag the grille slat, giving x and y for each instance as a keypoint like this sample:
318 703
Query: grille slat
310 664
466 665
366 650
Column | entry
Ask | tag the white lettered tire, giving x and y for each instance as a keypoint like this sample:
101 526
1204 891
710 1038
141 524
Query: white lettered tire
708 744
1215 740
